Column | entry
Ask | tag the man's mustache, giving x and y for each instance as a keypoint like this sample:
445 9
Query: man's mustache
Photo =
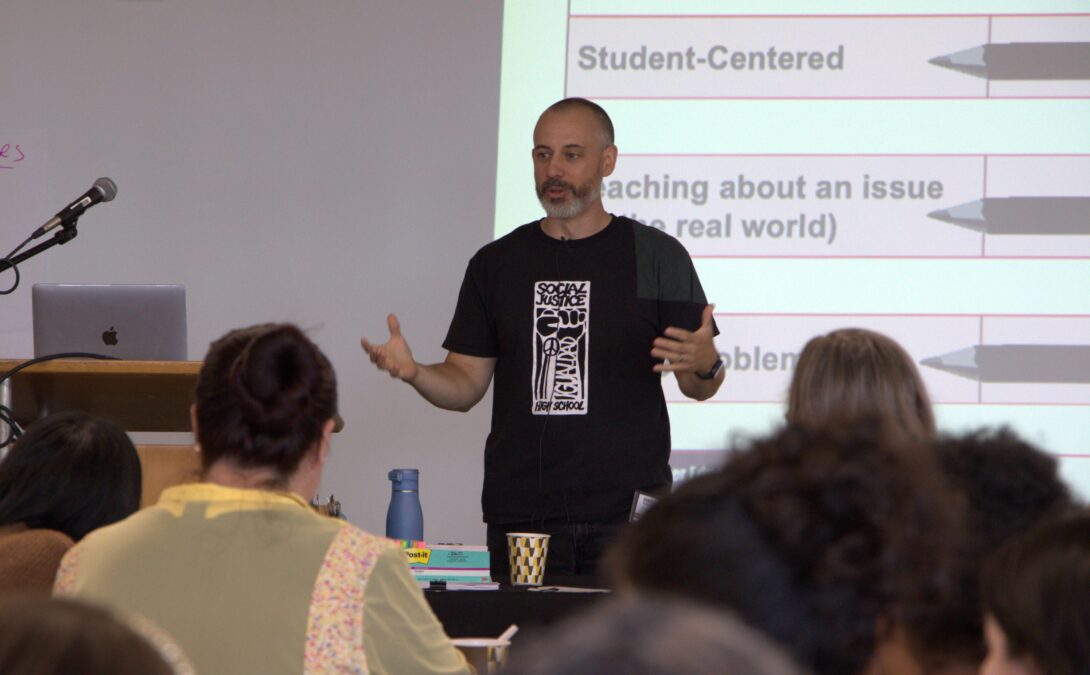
555 182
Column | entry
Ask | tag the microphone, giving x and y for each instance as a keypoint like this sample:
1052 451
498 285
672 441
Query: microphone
103 190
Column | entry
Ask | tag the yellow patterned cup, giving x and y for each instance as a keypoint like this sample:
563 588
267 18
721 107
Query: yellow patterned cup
527 552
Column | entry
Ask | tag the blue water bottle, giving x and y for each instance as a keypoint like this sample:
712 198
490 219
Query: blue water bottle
405 518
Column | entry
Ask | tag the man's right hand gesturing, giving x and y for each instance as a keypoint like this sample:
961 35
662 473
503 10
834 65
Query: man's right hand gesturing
394 356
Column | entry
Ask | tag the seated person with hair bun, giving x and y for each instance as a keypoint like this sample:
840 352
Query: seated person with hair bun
239 569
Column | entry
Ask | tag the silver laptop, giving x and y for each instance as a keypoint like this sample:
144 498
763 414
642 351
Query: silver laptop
129 321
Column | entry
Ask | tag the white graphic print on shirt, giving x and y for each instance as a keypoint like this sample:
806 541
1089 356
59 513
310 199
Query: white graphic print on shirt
561 347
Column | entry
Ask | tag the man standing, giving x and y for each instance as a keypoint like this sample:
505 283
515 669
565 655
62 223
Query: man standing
575 315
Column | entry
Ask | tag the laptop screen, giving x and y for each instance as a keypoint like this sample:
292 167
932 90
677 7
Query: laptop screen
127 321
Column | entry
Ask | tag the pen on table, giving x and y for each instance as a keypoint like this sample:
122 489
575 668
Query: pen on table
1021 61
1021 215
1068 364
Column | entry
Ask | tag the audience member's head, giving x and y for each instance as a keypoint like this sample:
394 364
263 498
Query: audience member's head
265 397
1008 485
854 373
52 636
1036 600
652 636
817 537
70 472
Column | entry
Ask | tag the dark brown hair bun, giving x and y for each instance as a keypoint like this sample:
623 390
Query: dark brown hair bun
263 395
272 378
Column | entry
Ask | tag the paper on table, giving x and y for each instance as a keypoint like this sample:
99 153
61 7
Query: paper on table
566 589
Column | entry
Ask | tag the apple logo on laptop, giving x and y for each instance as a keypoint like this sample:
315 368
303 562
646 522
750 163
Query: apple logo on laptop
109 337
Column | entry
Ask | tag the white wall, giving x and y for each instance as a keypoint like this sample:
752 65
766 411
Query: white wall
323 162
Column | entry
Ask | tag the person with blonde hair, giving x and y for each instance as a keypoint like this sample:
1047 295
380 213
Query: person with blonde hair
854 373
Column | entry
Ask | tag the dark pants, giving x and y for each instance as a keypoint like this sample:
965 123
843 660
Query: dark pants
575 546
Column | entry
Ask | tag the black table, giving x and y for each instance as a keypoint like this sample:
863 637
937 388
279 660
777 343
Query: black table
489 613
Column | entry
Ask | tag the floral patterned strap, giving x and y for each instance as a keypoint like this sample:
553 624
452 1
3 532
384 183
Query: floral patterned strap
334 641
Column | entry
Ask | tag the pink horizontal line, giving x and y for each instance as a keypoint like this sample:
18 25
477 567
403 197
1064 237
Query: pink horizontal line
728 450
974 403
820 16
868 314
993 97
848 154
709 256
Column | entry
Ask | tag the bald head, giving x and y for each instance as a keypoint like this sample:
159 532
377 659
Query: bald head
600 116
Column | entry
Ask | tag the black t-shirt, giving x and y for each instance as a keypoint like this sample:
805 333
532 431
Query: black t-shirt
578 416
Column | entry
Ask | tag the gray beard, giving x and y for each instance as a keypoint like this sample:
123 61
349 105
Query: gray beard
572 207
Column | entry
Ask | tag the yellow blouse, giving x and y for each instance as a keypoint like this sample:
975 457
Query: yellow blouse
251 581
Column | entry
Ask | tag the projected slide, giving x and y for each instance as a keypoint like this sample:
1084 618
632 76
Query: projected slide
921 172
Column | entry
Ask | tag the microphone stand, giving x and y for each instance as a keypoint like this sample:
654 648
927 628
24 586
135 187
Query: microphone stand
68 233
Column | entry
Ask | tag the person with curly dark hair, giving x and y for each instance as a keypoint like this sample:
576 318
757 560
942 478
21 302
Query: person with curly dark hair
816 536
1036 600
858 373
1008 486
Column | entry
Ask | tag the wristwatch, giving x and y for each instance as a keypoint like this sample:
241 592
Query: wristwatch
710 375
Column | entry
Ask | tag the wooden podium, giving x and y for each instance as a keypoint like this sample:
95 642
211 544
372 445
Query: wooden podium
135 395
